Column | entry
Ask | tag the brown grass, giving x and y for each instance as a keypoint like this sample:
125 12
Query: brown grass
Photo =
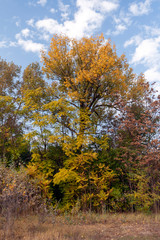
82 226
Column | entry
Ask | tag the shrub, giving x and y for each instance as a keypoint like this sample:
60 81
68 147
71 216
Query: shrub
18 193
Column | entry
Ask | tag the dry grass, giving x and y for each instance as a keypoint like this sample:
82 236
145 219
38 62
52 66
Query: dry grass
82 226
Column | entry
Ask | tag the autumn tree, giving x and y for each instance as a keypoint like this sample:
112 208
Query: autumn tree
34 96
137 144
92 125
89 78
11 133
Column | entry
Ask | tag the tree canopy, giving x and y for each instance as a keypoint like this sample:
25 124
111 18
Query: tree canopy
85 125
89 80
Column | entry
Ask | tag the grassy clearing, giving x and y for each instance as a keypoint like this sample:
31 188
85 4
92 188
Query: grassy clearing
82 226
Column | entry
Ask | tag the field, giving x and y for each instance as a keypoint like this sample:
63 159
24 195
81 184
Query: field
82 227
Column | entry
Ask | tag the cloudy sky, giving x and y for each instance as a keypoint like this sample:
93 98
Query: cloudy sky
26 27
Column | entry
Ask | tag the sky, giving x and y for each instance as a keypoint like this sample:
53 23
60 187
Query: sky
27 26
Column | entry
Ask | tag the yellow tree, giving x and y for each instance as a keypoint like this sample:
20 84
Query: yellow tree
89 78
34 93
10 117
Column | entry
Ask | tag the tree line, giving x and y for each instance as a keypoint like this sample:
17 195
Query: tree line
84 126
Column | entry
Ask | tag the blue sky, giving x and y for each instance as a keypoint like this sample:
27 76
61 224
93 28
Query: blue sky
26 27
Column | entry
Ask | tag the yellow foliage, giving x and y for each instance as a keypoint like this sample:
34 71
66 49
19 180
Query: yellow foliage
88 78
85 178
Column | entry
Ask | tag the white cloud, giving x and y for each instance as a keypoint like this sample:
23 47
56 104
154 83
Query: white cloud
28 45
30 22
101 6
147 52
17 21
152 74
119 29
65 10
42 2
52 10
125 18
140 8
49 25
89 16
12 44
44 36
107 6
121 23
25 32
6 44
152 30
135 40
3 44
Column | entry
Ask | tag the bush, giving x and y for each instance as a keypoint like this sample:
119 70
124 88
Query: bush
18 193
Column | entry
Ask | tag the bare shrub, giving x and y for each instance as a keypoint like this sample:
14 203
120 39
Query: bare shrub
19 195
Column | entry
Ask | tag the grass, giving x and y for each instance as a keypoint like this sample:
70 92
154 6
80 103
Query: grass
88 226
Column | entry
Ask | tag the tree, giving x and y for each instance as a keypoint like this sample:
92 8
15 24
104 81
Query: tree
92 126
34 96
89 79
138 142
11 133
89 85
85 180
